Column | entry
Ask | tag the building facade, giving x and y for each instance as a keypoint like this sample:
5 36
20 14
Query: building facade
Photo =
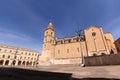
72 50
117 44
11 55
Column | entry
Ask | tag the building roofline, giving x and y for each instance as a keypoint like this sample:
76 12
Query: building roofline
93 26
68 37
107 33
15 47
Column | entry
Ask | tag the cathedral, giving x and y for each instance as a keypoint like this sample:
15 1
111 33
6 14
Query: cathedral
72 50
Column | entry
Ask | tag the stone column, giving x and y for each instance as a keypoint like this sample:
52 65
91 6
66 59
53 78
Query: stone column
32 64
16 64
10 62
4 62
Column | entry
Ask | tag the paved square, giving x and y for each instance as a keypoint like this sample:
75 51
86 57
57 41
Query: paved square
84 72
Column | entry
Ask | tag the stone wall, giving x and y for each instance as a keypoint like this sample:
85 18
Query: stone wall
102 60
76 61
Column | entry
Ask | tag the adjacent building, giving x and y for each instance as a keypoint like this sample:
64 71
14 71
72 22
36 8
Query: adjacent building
117 44
11 55
72 50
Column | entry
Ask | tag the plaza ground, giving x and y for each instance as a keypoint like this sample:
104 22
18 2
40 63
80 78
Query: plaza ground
82 72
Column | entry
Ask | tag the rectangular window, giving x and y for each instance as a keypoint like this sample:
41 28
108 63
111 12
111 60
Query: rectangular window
15 57
67 50
67 41
3 56
59 42
78 49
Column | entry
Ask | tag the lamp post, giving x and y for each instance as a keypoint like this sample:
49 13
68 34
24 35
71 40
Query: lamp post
80 39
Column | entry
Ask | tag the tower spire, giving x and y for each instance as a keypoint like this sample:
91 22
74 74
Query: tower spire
50 25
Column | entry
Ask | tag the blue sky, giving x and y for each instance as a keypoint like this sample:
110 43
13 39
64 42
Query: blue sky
22 22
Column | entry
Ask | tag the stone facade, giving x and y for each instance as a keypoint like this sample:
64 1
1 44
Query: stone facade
72 50
117 44
11 55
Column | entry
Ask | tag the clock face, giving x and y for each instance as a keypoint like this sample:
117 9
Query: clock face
93 33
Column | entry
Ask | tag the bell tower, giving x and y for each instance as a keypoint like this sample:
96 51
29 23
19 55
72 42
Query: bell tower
49 33
47 48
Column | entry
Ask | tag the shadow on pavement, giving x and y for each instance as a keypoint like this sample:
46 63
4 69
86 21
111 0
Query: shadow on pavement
26 74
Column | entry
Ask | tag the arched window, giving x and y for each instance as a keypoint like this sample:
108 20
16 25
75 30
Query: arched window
51 33
3 56
21 57
103 54
1 62
7 62
8 56
111 52
94 54
19 62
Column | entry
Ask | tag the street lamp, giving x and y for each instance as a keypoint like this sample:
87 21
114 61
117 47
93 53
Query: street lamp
79 32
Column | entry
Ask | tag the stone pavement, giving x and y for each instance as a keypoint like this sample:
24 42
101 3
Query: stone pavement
85 72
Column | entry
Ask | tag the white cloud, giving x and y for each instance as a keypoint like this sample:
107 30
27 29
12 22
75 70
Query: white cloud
7 34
